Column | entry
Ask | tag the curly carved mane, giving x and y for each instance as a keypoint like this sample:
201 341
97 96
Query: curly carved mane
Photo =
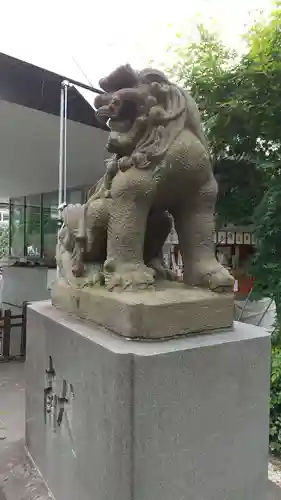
172 111
157 110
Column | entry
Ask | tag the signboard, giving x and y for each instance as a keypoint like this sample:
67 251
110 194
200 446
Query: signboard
230 238
221 237
247 238
239 238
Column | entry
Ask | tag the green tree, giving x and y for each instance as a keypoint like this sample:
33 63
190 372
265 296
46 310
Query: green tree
241 108
221 85
201 62
264 61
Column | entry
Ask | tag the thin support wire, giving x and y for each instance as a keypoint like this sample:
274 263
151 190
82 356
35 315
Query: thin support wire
245 304
264 312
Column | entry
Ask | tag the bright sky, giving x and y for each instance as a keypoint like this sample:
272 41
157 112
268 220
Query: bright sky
101 35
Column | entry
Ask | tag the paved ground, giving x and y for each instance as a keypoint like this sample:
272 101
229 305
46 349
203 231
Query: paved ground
19 480
274 492
12 404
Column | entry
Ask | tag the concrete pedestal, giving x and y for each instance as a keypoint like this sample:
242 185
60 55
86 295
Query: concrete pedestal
184 419
170 310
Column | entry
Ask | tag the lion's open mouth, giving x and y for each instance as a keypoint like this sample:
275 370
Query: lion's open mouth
118 115
125 117
119 126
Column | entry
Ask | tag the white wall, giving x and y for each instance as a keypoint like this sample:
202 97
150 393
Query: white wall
29 145
25 283
20 284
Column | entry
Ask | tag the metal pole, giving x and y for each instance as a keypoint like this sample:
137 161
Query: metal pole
85 86
62 175
61 146
65 140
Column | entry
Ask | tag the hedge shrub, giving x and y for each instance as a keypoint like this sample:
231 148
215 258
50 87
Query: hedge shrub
275 402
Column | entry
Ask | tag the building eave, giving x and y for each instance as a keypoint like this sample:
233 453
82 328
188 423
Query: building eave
39 89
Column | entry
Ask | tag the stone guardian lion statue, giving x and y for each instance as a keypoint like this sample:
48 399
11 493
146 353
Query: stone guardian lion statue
160 166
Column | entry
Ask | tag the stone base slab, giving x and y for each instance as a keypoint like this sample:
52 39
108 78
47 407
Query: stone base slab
180 419
169 311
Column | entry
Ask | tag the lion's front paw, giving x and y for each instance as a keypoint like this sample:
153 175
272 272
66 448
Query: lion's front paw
210 274
92 276
128 276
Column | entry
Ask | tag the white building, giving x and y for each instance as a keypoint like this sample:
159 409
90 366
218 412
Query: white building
29 145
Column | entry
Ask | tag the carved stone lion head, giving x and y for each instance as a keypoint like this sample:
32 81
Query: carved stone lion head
145 113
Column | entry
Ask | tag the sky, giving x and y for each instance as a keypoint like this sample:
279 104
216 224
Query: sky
102 35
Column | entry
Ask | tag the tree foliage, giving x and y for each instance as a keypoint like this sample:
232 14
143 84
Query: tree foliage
275 403
264 59
221 84
268 251
241 108
202 62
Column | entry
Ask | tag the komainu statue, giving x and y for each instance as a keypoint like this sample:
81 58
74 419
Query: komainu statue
160 167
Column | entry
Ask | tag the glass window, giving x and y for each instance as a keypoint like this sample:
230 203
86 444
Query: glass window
18 201
17 230
33 200
50 230
33 231
50 199
4 230
36 236
50 225
33 225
